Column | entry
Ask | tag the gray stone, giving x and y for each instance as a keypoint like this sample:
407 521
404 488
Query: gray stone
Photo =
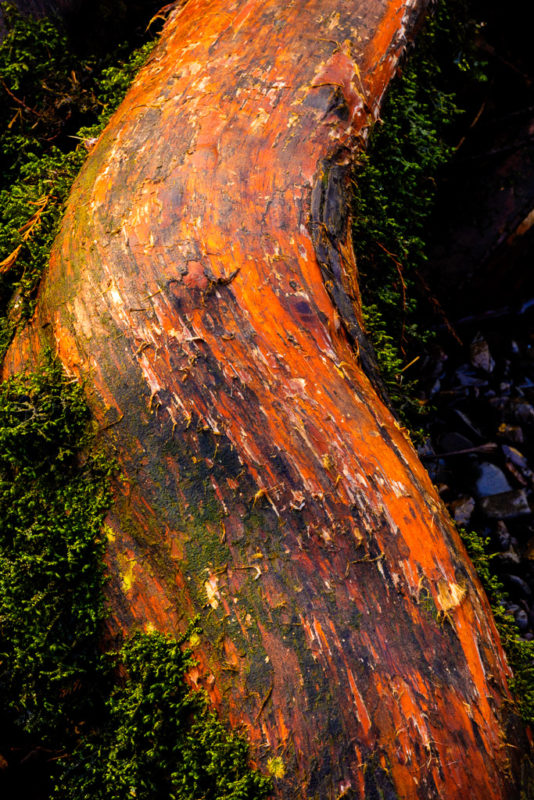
513 455
508 559
511 608
522 621
462 509
507 505
517 585
490 480
523 412
467 376
480 355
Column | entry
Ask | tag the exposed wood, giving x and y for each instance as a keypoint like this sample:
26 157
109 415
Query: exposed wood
204 288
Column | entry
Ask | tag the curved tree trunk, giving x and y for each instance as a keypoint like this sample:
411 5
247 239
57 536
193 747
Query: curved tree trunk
204 288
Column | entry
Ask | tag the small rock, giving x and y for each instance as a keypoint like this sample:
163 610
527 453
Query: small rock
510 433
517 585
508 505
452 441
480 355
522 621
509 558
466 376
528 637
435 388
462 509
523 412
490 480
503 535
511 608
513 455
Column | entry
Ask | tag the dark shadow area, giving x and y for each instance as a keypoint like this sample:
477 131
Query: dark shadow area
481 244
478 376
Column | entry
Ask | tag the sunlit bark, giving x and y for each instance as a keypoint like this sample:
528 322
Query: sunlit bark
204 289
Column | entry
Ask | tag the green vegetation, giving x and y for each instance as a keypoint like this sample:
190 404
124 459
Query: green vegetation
75 721
396 186
158 738
395 193
520 652
51 575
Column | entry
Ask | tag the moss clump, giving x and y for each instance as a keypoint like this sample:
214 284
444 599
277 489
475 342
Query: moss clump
158 738
51 575
396 186
520 652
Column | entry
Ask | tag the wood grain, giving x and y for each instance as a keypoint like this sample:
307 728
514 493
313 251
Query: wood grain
204 288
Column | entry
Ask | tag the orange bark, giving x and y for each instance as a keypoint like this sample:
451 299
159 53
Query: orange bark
204 287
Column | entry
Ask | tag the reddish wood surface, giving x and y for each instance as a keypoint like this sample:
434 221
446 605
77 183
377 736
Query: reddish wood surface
204 287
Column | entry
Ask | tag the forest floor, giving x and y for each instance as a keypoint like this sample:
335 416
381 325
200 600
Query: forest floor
477 374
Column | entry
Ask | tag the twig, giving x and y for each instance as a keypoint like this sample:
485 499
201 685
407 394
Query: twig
20 102
438 308
264 703
111 424
399 267
410 364
368 560
489 447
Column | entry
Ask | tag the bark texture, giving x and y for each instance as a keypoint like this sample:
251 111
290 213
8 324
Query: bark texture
204 288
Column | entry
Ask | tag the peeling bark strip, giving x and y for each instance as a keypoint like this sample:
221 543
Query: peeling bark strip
204 286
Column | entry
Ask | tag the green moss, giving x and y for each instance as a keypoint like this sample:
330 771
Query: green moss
426 601
158 738
146 735
51 575
520 652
